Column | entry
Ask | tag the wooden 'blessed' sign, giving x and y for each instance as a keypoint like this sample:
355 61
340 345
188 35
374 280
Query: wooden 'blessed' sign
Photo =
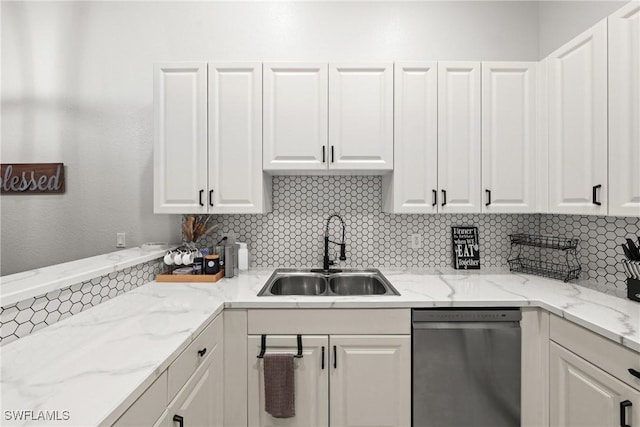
32 178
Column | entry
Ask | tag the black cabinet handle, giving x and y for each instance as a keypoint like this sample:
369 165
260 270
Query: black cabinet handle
322 365
202 352
435 197
335 357
178 419
332 154
200 197
594 195
623 412
634 372
323 154
210 197
488 197
444 197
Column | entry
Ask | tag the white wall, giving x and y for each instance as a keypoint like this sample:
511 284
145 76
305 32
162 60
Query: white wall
560 21
77 88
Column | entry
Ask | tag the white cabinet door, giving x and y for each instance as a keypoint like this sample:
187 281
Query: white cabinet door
578 124
361 116
311 381
236 181
180 142
199 402
370 380
295 116
624 111
509 136
413 185
583 395
459 136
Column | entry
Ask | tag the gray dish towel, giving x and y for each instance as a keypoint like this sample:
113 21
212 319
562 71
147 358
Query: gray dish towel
279 387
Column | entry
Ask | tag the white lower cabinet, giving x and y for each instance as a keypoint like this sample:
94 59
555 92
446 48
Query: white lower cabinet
196 375
370 381
581 394
342 380
311 381
199 403
592 380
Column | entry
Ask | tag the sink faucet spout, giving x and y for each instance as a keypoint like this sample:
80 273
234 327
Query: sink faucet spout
326 262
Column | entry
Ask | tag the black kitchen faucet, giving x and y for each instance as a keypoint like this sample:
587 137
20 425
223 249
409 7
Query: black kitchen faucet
326 262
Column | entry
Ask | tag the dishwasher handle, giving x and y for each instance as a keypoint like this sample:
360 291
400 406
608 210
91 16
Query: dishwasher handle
465 325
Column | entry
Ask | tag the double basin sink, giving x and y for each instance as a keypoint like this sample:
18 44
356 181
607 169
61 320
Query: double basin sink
327 283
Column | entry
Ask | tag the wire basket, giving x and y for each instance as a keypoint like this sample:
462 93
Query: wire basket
542 241
545 261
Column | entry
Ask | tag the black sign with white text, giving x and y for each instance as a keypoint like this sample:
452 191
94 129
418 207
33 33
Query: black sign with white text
466 252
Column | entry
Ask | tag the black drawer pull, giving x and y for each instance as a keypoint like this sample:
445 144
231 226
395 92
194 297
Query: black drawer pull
323 154
322 365
623 412
210 197
444 197
200 197
178 419
435 197
488 197
634 372
594 195
335 357
332 154
202 352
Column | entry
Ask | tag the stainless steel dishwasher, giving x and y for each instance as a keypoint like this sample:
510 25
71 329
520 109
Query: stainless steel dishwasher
466 367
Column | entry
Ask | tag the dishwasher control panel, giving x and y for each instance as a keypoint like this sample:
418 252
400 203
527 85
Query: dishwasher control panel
466 315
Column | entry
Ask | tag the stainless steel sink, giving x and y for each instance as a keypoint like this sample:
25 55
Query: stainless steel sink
334 283
299 284
357 284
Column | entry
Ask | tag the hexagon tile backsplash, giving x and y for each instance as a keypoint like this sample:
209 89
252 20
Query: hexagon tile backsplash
27 316
291 235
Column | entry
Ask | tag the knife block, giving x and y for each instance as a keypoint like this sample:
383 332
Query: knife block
633 289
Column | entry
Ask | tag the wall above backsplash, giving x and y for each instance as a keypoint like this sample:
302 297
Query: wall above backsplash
292 234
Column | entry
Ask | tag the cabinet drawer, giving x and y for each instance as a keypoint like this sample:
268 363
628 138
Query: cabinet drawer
330 321
149 406
602 352
189 360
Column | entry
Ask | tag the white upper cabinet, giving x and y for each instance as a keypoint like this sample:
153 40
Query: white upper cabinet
508 136
236 181
624 111
413 186
459 136
295 116
578 124
180 143
361 116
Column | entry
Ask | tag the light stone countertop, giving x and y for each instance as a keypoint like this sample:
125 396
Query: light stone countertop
96 363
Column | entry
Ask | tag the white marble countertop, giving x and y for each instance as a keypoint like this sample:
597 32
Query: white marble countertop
20 286
95 364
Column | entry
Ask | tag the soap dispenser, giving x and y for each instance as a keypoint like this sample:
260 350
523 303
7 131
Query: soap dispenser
243 256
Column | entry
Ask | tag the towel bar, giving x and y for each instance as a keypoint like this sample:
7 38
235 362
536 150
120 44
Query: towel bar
263 347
